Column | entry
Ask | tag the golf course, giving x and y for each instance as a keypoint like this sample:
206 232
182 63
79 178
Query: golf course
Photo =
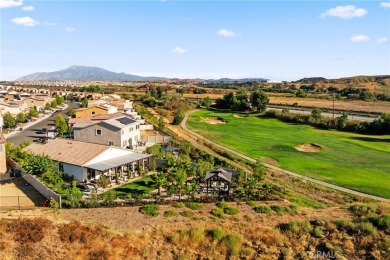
355 161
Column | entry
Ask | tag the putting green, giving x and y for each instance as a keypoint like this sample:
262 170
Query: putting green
354 161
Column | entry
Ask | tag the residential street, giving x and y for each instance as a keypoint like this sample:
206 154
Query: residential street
32 133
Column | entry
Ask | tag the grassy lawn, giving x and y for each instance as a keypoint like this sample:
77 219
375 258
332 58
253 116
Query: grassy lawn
358 162
141 186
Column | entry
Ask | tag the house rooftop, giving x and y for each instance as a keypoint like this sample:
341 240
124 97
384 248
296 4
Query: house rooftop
68 151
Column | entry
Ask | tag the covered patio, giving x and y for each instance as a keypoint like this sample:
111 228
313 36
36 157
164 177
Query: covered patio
120 168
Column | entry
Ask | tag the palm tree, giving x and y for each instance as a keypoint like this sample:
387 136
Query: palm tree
178 178
159 180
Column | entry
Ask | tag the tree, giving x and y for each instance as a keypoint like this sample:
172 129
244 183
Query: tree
59 100
206 102
38 164
161 123
71 113
316 114
178 178
60 123
21 117
47 106
84 102
159 180
301 93
259 100
8 120
53 104
33 112
178 118
342 121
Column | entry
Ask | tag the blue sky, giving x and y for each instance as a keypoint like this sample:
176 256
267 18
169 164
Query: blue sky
283 40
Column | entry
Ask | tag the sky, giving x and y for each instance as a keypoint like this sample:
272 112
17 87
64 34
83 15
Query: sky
278 40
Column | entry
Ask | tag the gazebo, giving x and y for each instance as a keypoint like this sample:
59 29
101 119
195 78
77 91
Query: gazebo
219 180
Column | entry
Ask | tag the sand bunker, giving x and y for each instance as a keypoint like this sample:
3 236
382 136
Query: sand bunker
213 121
238 116
308 148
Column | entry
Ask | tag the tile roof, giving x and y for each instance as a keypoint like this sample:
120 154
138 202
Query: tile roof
68 151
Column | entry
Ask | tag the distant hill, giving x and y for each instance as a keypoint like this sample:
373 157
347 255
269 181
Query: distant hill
243 80
84 73
312 80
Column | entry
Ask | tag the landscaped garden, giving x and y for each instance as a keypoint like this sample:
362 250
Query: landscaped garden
355 161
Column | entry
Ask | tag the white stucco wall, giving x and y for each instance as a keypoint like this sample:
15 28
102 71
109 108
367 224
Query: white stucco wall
79 173
126 134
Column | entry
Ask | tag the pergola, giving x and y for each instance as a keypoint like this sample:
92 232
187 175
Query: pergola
123 165
219 180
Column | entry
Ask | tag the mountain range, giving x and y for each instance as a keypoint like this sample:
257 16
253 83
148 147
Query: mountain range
84 73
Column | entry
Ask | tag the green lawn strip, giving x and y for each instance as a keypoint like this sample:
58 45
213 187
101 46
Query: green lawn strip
141 186
358 162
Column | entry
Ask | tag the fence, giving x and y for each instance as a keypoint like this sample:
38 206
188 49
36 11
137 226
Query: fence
146 127
156 139
41 188
18 202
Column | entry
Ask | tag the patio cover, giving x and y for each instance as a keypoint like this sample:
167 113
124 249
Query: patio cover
118 161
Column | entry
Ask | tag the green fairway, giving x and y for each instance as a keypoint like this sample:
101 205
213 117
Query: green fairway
358 162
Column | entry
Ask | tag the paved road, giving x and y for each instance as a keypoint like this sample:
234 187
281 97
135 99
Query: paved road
183 125
336 114
32 133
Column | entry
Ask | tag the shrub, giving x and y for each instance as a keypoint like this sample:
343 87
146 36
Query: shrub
318 232
217 233
29 230
187 213
382 222
251 203
194 205
178 205
218 212
150 209
363 209
222 205
233 243
231 211
278 209
170 213
298 228
197 234
365 228
262 209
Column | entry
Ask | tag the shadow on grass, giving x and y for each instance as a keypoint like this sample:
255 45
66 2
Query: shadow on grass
372 139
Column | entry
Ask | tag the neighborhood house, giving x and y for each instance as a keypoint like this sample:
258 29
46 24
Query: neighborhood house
88 161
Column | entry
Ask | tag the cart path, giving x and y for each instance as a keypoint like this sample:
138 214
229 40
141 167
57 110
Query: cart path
185 128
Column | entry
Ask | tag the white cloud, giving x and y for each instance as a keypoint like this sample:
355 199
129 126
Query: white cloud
360 38
10 3
345 12
25 21
382 40
226 33
50 24
179 50
70 29
385 4
28 8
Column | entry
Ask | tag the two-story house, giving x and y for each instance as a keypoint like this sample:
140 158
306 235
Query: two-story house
122 131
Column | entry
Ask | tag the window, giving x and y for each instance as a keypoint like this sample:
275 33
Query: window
1 148
136 138
110 143
131 129
124 143
123 131
98 132
61 167
93 112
